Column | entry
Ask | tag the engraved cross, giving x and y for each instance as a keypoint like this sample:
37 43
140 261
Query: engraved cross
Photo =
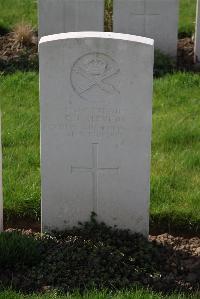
95 170
145 15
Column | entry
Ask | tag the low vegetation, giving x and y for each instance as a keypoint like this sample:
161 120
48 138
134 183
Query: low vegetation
17 11
19 97
95 256
16 249
175 168
138 294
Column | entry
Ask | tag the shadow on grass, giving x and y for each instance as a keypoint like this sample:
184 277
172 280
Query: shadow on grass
3 30
184 34
23 63
95 256
163 64
182 224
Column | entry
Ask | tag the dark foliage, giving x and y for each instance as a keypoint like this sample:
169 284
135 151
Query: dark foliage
97 256
18 250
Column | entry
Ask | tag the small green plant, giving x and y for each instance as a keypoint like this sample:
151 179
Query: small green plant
17 249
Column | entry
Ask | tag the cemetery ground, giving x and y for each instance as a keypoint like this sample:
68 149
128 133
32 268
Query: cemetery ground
96 295
168 264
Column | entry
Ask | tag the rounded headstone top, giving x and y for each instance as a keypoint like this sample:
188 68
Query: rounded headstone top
96 34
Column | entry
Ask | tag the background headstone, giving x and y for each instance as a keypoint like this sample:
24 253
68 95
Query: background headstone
1 191
95 129
157 19
197 34
57 16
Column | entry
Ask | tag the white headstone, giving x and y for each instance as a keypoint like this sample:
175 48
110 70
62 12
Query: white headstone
197 35
1 192
56 16
157 19
96 92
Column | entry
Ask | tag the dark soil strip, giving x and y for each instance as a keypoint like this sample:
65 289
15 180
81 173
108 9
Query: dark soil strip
177 227
24 224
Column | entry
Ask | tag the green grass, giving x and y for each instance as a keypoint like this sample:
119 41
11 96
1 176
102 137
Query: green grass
21 179
175 179
16 11
175 170
139 294
187 17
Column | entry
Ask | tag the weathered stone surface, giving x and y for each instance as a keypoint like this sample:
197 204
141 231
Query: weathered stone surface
56 16
157 19
96 91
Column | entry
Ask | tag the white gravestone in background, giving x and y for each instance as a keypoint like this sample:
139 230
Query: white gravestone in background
157 19
1 192
95 93
197 34
56 16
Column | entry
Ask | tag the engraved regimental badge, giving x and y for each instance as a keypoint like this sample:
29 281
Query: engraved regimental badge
93 76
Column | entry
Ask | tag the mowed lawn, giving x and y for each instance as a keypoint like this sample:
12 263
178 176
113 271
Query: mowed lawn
19 96
16 11
187 17
99 295
175 173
